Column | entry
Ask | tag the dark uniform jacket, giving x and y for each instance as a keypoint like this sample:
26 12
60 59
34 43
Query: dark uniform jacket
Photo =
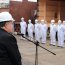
9 53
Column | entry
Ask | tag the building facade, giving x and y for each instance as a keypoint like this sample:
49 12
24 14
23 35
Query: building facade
51 9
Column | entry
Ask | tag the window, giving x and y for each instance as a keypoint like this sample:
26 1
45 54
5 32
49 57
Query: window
4 3
32 0
17 0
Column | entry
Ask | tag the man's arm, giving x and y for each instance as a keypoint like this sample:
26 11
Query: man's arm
13 51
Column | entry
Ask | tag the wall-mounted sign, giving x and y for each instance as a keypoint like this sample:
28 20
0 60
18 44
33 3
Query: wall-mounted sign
4 3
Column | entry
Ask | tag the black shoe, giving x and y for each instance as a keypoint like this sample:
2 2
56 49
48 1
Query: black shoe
60 46
53 45
43 43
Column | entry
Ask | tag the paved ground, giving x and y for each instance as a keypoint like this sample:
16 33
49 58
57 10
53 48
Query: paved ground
27 50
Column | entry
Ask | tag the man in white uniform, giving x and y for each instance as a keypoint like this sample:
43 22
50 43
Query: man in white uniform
23 26
30 29
60 34
43 31
53 33
37 29
64 29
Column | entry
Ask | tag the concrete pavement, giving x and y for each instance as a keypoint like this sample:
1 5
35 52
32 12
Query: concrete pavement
27 50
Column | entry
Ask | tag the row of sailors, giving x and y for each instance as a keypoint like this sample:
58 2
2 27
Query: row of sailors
40 30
